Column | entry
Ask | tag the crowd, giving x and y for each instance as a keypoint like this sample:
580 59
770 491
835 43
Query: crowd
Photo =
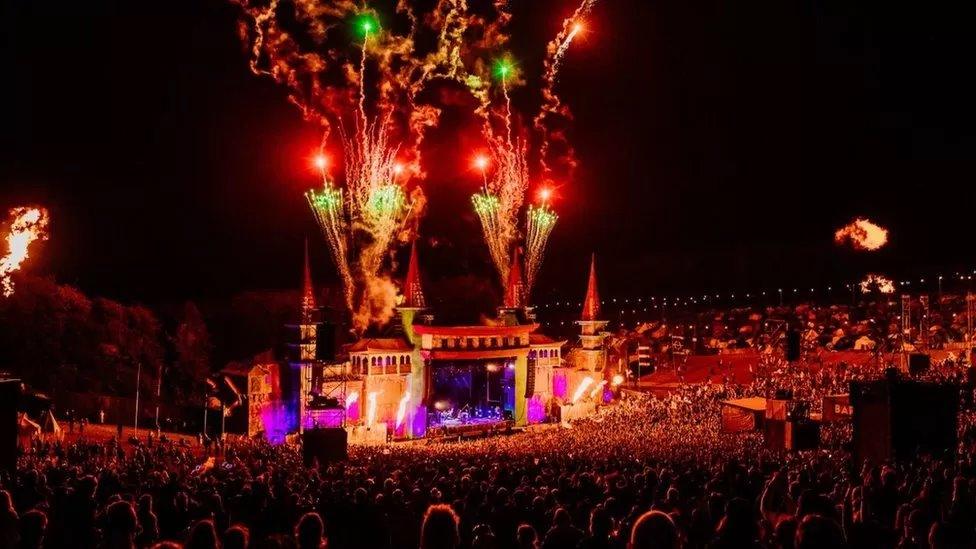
940 323
646 471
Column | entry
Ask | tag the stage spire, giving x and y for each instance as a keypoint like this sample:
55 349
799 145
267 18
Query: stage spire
591 307
308 292
412 289
515 288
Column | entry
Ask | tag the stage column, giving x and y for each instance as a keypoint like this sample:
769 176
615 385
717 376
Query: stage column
521 382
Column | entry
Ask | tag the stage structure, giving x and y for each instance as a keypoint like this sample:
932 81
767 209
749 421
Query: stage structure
426 379
314 382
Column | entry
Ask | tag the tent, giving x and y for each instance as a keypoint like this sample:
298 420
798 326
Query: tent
864 343
743 414
27 431
50 428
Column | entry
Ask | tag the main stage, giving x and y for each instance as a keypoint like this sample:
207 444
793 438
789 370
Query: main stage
470 428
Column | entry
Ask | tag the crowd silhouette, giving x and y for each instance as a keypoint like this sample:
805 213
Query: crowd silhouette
646 471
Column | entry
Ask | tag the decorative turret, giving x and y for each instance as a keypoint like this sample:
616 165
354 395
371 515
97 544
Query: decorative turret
413 291
413 296
591 306
514 299
308 292
308 328
515 286
591 327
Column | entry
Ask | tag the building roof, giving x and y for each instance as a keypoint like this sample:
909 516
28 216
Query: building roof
753 404
475 331
591 307
542 339
244 367
308 292
413 291
515 286
236 368
394 344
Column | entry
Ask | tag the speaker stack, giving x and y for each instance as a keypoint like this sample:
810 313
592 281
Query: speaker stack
324 446
9 401
900 418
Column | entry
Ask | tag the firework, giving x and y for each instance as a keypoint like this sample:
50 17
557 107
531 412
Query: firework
371 408
552 106
539 223
26 226
327 207
379 126
499 204
596 390
581 390
487 207
402 406
862 234
875 281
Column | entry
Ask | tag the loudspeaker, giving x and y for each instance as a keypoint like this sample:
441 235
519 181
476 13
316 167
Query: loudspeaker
775 434
530 379
792 345
325 343
9 401
802 435
918 363
783 394
900 418
324 445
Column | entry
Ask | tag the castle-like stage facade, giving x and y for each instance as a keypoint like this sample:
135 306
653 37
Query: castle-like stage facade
431 380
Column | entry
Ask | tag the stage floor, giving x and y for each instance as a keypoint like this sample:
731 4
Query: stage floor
470 427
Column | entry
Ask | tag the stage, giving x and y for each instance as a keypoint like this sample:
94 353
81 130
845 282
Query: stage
471 397
470 428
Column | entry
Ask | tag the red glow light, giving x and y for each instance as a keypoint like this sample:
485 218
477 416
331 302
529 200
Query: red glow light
481 162
321 161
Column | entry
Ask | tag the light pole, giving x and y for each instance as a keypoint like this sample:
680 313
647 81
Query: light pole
135 423
159 391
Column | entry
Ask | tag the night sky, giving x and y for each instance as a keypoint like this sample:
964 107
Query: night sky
721 143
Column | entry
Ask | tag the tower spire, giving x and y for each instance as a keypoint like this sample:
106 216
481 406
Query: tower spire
591 307
412 289
308 292
515 287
